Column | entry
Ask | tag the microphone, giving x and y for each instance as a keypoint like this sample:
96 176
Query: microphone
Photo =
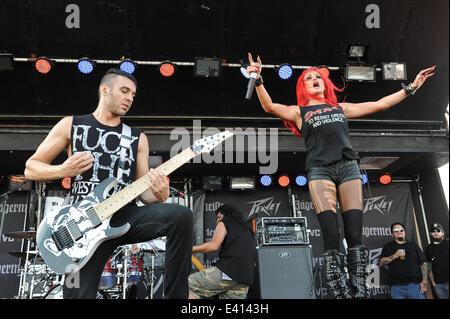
251 85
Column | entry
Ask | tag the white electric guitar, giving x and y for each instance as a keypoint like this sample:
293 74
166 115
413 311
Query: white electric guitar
68 237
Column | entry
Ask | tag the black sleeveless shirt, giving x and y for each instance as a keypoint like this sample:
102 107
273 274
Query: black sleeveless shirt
237 253
326 133
103 142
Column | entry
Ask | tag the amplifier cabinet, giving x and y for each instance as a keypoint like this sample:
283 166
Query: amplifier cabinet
285 272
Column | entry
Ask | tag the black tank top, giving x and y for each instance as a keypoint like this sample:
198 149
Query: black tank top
237 253
103 142
326 133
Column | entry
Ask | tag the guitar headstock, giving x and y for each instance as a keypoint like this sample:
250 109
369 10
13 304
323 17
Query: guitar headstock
207 144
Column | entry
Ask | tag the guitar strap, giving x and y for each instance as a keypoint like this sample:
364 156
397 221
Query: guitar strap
125 142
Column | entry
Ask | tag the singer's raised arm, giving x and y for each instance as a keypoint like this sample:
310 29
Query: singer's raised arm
285 112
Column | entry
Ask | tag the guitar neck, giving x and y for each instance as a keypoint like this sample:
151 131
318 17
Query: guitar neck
111 205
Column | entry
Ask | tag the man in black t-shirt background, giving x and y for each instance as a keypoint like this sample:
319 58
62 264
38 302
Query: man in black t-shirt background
232 274
406 265
437 255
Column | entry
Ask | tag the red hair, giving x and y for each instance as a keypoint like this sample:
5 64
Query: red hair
303 96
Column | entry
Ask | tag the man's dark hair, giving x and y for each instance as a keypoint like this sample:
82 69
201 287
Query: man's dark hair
111 74
231 212
392 226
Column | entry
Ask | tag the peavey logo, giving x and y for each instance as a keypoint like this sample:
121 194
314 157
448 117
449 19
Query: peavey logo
378 204
284 254
264 206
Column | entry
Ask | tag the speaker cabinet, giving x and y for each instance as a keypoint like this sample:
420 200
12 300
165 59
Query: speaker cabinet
285 272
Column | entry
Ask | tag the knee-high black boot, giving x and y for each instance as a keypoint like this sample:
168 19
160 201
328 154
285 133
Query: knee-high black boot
357 262
336 274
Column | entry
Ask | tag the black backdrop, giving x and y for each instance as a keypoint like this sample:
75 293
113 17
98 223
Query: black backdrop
16 209
301 32
383 205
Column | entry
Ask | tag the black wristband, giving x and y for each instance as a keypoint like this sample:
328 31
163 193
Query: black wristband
259 81
408 89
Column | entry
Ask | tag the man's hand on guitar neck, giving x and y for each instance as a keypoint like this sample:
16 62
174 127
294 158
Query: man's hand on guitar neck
159 187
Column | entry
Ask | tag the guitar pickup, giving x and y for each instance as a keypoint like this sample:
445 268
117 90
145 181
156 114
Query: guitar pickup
93 217
62 238
74 230
66 236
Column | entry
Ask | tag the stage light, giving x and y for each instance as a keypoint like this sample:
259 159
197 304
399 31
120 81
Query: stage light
266 180
242 183
211 183
394 71
85 65
285 71
356 51
43 65
244 72
207 67
325 70
167 69
6 62
127 66
364 178
283 180
360 73
385 179
301 180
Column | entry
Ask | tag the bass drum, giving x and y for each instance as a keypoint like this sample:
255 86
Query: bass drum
135 269
109 275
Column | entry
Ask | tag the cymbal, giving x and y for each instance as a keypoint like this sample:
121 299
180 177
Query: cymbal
22 234
23 254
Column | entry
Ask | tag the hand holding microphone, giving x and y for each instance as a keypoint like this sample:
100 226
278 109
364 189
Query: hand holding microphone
254 69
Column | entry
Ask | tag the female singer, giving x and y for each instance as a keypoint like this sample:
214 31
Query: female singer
332 167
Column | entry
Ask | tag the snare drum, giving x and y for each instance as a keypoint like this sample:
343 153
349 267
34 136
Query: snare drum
109 276
135 269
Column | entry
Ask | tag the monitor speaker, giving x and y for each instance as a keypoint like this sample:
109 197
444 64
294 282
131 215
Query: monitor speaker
285 272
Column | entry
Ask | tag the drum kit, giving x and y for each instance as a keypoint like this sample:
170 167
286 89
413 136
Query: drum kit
129 266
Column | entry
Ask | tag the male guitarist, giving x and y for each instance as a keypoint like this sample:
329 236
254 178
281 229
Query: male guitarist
93 146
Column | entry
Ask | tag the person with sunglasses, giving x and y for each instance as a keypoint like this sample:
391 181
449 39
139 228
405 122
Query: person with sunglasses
406 266
437 255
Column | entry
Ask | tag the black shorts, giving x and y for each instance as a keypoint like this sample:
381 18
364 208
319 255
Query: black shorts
338 172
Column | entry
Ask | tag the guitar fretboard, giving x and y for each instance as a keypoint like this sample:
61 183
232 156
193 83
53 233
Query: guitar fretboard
108 207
